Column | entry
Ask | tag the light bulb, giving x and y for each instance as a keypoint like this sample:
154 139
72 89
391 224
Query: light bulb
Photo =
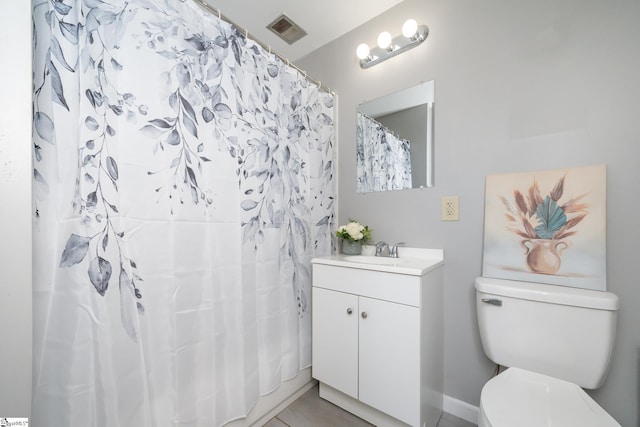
409 28
362 51
384 40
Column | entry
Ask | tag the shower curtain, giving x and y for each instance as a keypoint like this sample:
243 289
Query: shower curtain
383 158
183 180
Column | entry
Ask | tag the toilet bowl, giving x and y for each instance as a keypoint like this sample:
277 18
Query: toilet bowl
523 398
555 340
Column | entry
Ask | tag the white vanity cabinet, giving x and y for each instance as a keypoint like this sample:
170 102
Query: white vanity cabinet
335 337
378 340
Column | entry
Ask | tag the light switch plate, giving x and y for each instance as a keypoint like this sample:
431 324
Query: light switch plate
450 208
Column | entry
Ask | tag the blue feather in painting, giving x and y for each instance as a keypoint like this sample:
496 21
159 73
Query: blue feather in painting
552 218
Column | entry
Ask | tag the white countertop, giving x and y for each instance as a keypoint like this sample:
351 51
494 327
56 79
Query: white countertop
411 261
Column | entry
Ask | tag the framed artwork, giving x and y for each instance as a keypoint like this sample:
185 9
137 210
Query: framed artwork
547 227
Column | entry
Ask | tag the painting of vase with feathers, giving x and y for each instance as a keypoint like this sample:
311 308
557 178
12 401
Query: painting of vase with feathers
547 227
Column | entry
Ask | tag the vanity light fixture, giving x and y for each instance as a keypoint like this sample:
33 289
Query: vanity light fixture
388 46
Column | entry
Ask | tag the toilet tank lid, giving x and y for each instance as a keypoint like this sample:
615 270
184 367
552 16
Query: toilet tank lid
554 294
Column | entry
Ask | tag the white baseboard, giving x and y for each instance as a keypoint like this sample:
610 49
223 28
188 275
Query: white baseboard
460 409
270 405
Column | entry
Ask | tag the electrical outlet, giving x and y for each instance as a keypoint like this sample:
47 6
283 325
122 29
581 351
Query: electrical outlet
450 208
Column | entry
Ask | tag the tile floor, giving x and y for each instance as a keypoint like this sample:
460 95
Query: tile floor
312 411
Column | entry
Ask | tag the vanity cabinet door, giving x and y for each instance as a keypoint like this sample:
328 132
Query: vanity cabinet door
335 340
389 359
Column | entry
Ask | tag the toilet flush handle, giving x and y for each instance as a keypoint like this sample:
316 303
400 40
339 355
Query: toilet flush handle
492 301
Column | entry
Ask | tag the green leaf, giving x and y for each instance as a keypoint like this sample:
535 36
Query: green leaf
552 218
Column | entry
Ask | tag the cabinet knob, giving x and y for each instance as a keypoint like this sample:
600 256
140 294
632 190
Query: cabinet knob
349 311
364 314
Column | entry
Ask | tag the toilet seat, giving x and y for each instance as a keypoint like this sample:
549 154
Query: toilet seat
522 398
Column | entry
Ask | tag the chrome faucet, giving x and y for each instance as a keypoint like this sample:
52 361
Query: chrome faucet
394 249
380 246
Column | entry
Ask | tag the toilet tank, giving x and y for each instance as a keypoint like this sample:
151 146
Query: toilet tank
564 332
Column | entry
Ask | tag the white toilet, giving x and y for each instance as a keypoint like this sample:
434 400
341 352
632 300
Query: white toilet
555 340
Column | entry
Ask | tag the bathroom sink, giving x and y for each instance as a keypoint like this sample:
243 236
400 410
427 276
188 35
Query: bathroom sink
375 260
412 261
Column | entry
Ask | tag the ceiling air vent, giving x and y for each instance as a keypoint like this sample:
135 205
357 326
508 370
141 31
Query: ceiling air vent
286 29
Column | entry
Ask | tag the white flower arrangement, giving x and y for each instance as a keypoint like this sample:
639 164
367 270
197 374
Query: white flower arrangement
354 231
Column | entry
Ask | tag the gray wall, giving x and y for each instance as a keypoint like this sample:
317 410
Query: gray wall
519 86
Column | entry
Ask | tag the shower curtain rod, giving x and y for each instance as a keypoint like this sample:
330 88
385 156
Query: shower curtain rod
383 126
211 9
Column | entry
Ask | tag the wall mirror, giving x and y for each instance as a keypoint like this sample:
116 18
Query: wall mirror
394 140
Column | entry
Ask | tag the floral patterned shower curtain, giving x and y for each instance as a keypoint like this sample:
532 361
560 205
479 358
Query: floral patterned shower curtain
183 180
383 158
